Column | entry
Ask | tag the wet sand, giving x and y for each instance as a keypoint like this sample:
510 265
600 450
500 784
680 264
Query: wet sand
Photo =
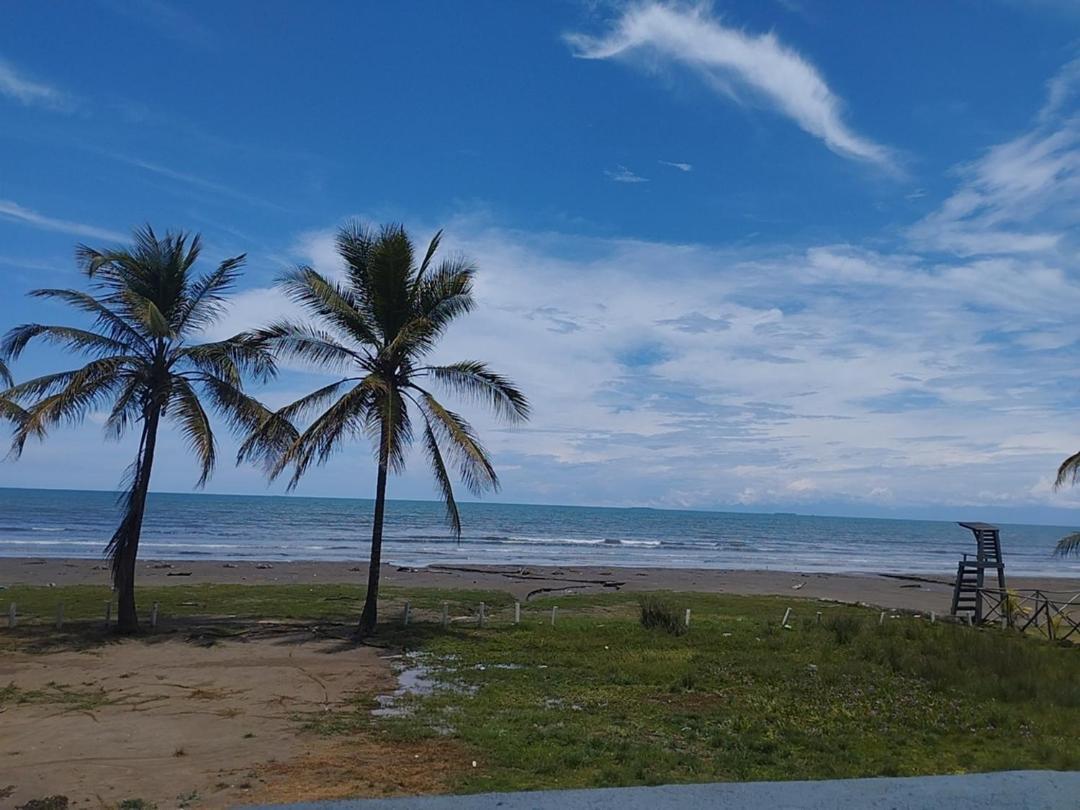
922 592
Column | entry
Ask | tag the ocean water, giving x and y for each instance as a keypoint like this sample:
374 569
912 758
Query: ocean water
65 523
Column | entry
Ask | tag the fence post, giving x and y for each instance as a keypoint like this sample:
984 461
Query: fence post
819 617
60 616
445 615
153 616
554 612
881 619
108 612
783 621
933 617
517 612
480 617
405 614
687 619
11 615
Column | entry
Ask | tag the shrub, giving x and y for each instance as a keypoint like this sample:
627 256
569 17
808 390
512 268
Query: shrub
658 615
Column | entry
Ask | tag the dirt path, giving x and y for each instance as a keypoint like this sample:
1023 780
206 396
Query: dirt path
174 722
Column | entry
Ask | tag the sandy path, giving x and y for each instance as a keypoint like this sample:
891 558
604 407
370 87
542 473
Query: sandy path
165 720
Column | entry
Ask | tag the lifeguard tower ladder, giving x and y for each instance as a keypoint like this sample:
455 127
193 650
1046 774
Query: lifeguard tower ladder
971 574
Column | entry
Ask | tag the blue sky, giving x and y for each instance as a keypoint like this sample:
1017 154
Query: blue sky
786 255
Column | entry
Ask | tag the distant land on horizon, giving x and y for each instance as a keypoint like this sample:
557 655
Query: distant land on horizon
1018 516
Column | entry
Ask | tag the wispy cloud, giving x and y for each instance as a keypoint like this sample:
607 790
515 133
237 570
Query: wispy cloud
1022 196
198 182
732 61
28 91
171 21
16 213
621 174
682 167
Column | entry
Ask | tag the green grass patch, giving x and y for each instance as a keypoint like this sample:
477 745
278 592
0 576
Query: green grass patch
601 700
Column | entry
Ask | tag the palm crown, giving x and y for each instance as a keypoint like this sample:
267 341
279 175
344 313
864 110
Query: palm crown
148 309
375 327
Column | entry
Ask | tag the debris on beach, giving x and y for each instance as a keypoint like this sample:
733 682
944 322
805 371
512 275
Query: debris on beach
264 566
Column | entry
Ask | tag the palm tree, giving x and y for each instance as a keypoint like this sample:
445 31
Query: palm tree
147 307
373 330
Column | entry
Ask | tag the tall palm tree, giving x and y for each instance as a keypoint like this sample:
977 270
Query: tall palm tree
373 329
148 308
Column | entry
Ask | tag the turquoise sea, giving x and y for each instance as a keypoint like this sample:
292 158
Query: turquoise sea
65 523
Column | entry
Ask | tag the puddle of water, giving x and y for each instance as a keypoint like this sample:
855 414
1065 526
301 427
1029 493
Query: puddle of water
417 678
414 678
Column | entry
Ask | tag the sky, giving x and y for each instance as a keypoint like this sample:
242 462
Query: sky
774 255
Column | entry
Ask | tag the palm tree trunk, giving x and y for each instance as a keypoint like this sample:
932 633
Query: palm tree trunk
127 619
369 616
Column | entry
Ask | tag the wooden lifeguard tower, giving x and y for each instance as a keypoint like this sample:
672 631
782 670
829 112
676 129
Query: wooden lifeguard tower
971 574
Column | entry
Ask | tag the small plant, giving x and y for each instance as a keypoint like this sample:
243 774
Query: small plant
844 628
136 804
179 752
658 615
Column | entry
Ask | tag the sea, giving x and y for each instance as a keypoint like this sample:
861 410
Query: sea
66 523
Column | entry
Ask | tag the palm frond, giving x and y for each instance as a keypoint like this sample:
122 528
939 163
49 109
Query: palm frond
5 375
1068 545
205 299
474 465
72 339
127 407
442 478
447 293
85 389
110 322
390 281
347 416
187 411
232 359
146 312
1068 472
330 301
309 343
433 247
474 379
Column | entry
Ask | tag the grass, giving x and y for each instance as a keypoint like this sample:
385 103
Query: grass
601 700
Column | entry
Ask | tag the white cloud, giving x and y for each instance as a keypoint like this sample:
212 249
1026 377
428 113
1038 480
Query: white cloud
29 91
1022 196
733 61
621 174
682 167
674 375
13 211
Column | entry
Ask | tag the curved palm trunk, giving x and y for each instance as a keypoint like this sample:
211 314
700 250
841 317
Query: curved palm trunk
369 616
131 528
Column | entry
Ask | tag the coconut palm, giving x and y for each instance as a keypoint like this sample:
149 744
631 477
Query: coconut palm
373 330
148 308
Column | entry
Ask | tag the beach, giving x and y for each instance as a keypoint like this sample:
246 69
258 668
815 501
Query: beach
915 591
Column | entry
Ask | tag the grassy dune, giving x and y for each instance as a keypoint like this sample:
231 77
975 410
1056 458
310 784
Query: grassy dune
599 700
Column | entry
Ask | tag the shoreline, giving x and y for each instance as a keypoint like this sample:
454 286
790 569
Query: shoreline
915 591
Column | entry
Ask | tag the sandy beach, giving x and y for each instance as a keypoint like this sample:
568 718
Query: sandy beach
908 592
